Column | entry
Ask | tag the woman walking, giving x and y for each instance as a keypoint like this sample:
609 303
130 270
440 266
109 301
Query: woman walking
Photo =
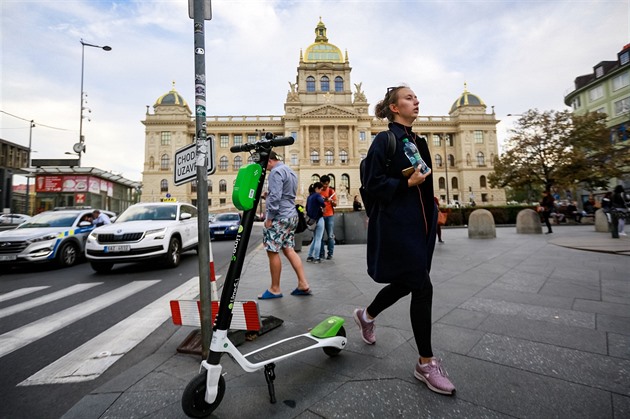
402 233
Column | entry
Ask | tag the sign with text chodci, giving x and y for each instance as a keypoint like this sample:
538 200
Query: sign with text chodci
186 162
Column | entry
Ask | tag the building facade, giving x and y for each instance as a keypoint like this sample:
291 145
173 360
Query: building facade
333 131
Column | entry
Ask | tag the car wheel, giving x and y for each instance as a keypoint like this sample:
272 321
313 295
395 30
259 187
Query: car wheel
102 267
174 253
68 254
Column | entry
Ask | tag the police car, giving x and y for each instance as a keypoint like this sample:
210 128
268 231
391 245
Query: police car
57 236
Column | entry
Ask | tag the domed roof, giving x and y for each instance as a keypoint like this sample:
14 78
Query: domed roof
171 98
467 99
321 49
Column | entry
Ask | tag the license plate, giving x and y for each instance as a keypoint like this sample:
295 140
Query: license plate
219 232
8 257
117 248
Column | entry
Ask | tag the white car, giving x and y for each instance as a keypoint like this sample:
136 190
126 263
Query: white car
51 236
159 230
13 219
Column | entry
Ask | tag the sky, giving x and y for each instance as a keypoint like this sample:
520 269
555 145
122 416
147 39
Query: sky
514 55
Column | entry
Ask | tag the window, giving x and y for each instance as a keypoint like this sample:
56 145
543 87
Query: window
314 157
238 139
484 197
436 140
345 182
222 202
622 106
209 187
294 159
577 103
438 160
223 163
599 71
310 84
238 162
620 81
343 156
338 84
165 162
455 183
294 135
624 58
315 178
325 84
193 186
251 138
165 138
449 140
224 140
596 93
482 181
222 186
151 162
362 136
329 158
164 185
209 202
451 160
442 183
481 160
478 137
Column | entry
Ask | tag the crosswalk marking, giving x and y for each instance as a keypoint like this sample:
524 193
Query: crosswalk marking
91 359
46 298
21 292
29 333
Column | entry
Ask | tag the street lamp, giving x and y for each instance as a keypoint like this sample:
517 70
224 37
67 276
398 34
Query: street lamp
80 146
28 178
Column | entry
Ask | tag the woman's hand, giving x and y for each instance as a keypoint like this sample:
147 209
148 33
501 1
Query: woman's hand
417 178
267 223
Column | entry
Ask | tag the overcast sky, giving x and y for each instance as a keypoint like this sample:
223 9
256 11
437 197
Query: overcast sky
515 55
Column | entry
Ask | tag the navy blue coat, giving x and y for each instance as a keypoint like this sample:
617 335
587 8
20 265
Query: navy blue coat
402 226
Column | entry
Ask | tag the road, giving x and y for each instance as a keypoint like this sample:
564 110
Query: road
64 332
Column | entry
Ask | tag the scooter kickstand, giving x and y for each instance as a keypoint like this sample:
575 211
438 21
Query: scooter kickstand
270 375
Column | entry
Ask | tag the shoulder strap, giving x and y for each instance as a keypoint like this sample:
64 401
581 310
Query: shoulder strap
391 147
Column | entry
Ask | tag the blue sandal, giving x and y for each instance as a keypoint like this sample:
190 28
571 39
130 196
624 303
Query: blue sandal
298 291
267 295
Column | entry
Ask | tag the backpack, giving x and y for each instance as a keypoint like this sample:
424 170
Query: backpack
369 200
301 219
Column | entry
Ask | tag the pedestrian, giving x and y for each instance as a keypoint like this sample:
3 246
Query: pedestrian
356 204
330 202
100 219
621 206
401 234
279 228
547 206
314 210
439 223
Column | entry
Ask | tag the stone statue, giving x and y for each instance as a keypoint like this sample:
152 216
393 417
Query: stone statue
292 95
359 96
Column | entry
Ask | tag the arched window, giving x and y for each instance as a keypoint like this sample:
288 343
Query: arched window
442 183
238 162
151 162
165 162
438 160
482 181
223 163
164 185
310 84
209 186
314 157
481 160
329 158
455 183
324 82
222 186
332 181
343 156
193 185
345 182
338 84
451 160
468 160
315 178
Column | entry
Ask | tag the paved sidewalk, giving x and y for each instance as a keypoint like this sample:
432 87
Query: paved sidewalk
528 326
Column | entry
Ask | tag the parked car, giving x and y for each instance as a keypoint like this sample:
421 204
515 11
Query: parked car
225 225
51 236
161 230
13 219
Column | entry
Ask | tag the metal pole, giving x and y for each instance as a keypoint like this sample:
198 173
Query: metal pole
202 177
81 104
446 170
28 178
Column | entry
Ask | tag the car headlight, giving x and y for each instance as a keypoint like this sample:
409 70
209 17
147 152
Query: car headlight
92 235
233 227
44 238
158 233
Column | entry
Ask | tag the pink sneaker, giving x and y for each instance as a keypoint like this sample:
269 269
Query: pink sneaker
435 377
367 328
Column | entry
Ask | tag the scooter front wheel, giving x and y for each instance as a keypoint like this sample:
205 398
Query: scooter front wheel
193 399
331 350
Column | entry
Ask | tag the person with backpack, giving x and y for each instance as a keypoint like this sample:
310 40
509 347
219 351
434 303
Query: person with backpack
402 232
314 210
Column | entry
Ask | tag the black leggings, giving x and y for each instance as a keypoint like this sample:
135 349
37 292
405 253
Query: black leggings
420 310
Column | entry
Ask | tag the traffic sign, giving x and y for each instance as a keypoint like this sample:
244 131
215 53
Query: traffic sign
186 162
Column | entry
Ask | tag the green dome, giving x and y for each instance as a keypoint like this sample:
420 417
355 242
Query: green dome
171 98
321 49
467 99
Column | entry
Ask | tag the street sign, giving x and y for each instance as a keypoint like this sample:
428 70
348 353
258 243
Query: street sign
186 162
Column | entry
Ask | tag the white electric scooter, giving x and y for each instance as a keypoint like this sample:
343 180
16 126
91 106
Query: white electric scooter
204 392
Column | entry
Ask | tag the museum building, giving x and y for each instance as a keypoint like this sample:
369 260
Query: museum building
333 130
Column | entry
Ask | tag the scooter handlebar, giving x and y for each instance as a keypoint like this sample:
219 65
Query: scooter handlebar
267 143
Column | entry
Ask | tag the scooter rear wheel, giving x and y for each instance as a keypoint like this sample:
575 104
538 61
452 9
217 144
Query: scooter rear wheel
332 350
193 402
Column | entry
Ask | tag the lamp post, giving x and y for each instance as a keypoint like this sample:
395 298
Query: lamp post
446 169
80 146
28 178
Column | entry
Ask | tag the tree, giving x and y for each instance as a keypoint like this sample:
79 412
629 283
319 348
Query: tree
556 148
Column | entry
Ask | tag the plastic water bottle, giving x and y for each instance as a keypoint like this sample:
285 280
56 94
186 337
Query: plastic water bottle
412 153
